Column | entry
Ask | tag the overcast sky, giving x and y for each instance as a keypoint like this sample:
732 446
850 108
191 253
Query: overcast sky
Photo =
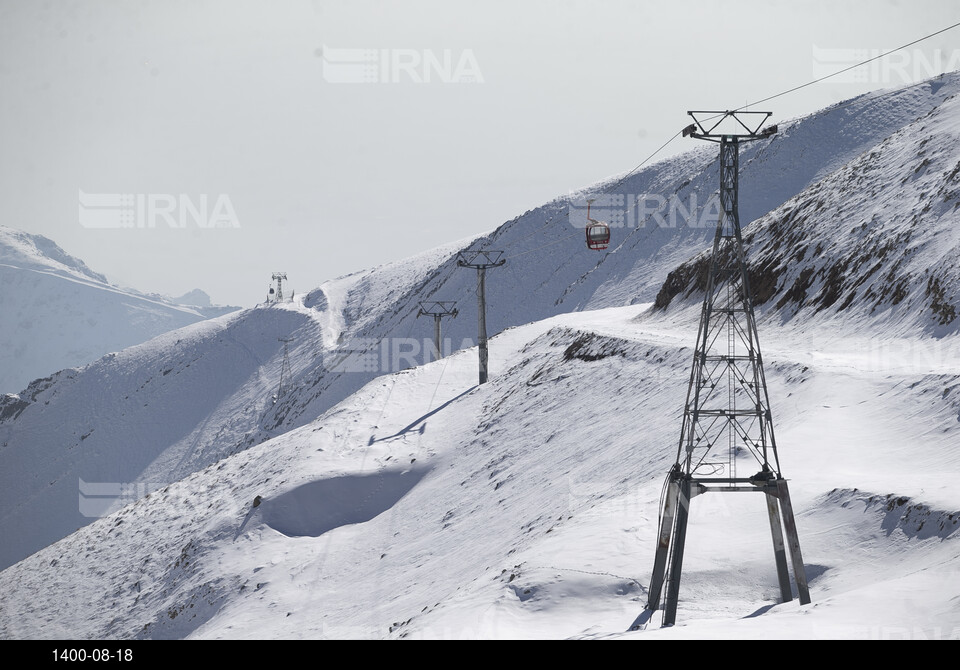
326 137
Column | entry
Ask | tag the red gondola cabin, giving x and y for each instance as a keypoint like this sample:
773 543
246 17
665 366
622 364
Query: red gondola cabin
598 233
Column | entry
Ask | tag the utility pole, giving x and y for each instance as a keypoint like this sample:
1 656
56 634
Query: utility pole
438 310
279 277
481 260
727 422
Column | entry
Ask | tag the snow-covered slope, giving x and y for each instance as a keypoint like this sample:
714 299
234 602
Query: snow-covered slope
877 240
426 506
353 329
138 419
58 313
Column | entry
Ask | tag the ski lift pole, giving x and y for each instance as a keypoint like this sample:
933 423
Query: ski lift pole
481 260
438 310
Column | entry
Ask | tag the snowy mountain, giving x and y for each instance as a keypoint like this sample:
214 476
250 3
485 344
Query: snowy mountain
58 313
309 475
876 239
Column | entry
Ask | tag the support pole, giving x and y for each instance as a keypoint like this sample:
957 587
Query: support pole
779 552
438 310
482 322
676 562
481 260
793 541
667 519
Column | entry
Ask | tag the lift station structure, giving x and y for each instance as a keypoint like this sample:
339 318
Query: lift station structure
727 424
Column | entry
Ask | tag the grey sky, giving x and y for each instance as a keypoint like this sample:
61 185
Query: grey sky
240 99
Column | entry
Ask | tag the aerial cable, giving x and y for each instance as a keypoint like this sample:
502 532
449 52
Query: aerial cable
627 175
606 188
851 67
663 146
548 244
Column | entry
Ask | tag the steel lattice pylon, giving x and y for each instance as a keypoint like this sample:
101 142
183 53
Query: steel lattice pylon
727 423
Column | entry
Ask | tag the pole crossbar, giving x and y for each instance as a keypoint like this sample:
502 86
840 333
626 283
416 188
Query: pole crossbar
438 309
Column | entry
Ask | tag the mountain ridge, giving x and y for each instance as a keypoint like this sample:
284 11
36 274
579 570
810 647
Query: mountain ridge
58 313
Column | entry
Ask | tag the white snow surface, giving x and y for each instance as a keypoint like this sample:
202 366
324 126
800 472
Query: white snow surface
425 506
179 489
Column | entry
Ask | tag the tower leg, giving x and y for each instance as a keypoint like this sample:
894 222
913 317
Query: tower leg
663 544
482 323
436 337
779 551
679 539
793 540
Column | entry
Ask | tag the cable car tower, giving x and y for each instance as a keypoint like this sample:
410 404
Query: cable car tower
727 424
481 260
438 310
279 277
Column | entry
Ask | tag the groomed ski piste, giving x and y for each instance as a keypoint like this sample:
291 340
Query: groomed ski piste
368 502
